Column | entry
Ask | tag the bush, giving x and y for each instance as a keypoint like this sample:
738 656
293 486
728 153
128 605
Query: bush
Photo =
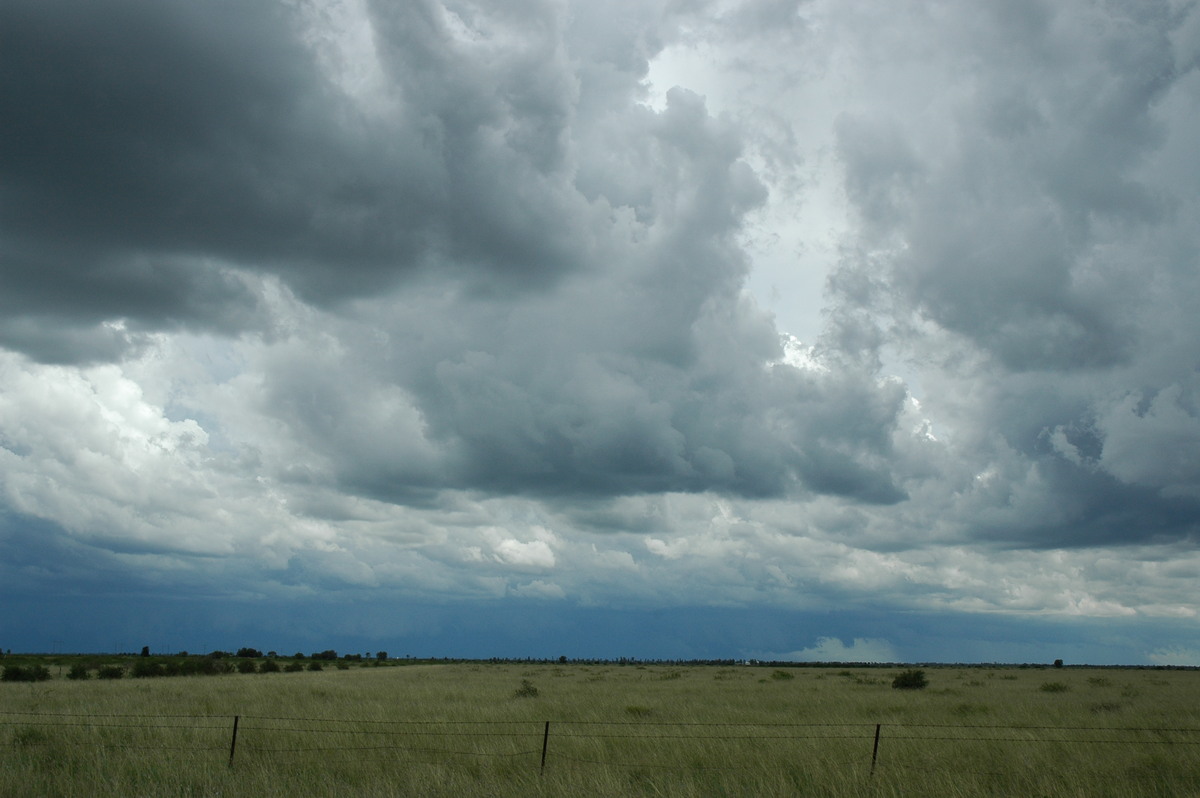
143 669
31 673
269 666
910 680
247 666
202 666
79 671
294 667
110 672
314 666
1054 687
526 690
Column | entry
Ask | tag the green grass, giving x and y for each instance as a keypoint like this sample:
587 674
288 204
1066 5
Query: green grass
476 729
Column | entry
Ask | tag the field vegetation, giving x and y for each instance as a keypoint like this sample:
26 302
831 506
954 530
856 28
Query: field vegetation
386 728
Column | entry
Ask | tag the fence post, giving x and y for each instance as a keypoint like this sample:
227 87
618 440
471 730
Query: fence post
875 750
545 743
233 742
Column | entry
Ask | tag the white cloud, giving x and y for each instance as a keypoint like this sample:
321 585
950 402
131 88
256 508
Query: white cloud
831 649
1176 655
535 553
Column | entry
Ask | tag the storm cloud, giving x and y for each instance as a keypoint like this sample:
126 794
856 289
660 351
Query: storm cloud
441 302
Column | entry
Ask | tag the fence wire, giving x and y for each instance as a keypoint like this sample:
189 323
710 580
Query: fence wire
562 740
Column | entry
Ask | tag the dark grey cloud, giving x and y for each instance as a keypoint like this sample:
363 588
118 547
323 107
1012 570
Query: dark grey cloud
448 301
1014 243
1005 214
149 145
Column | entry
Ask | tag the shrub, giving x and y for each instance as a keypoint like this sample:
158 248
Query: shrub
910 680
110 672
781 676
31 673
143 669
294 667
526 690
1054 687
269 666
79 671
247 666
203 666
314 666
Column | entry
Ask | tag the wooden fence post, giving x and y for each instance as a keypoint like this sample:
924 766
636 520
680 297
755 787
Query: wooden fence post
233 742
545 743
875 750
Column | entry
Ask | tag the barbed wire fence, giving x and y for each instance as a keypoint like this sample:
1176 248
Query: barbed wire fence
612 744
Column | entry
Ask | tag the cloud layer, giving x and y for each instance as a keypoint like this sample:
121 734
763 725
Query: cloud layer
441 302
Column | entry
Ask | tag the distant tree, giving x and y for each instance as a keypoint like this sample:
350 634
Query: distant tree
563 659
249 652
381 655
145 651
1058 663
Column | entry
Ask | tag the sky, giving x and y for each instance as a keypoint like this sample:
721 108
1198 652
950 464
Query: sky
815 330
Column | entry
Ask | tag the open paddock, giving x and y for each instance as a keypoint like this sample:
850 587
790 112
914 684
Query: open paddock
607 729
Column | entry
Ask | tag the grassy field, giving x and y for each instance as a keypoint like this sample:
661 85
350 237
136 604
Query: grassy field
479 729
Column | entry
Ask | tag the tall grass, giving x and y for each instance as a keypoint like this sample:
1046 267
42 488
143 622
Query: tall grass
614 730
